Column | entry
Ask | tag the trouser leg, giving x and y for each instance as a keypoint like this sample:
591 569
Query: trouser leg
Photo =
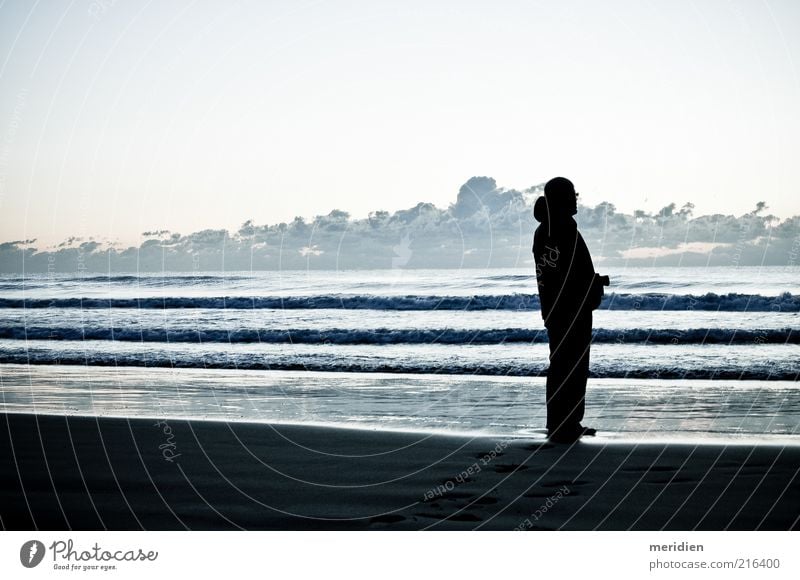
567 375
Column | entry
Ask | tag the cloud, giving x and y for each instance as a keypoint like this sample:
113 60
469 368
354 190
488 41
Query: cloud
648 253
486 226
310 251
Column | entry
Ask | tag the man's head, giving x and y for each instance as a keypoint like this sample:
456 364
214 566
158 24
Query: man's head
561 196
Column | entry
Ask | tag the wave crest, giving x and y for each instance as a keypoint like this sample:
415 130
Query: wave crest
379 336
732 302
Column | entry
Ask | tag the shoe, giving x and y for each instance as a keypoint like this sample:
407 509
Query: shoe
570 434
561 437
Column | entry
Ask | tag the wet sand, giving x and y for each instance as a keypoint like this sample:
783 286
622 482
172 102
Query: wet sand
127 474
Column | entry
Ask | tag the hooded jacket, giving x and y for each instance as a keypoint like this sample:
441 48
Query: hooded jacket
564 271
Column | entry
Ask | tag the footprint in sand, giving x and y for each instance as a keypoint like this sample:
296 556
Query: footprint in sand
466 499
459 517
550 487
471 500
509 467
539 447
562 482
463 502
449 496
487 454
658 474
669 480
451 483
387 519
648 468
485 500
542 493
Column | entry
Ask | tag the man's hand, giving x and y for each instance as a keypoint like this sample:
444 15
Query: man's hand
597 290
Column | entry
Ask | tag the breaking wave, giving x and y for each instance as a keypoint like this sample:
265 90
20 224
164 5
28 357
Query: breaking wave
399 336
732 302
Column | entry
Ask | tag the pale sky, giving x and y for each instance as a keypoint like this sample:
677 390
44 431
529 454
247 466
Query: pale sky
118 117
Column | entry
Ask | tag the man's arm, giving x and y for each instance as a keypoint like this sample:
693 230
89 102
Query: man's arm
550 255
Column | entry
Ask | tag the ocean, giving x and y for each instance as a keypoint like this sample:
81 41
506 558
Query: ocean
678 352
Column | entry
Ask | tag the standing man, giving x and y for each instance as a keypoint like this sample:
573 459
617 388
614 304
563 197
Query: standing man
569 290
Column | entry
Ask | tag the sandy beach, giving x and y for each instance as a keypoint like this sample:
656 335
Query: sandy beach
126 474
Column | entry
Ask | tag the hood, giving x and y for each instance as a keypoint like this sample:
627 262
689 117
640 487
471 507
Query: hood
540 210
558 222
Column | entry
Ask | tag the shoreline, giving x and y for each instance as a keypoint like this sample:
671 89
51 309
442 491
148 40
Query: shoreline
79 472
476 370
631 410
632 438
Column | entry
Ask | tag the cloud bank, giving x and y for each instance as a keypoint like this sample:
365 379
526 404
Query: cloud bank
487 226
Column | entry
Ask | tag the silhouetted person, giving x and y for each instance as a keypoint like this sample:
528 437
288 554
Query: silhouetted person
569 290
